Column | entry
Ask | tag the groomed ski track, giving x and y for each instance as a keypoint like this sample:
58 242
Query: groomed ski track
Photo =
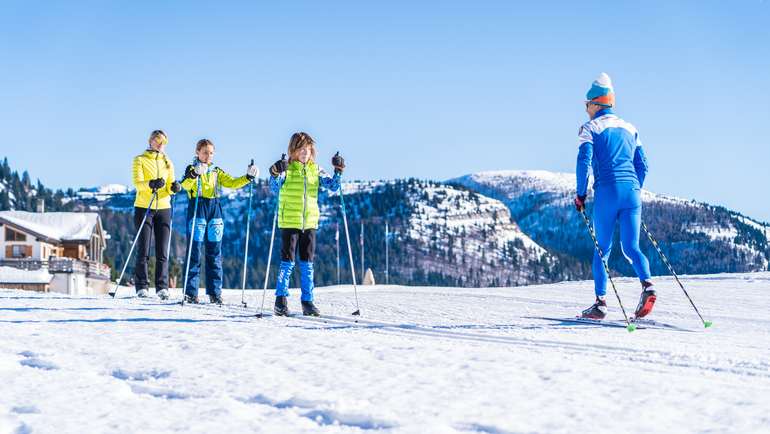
440 360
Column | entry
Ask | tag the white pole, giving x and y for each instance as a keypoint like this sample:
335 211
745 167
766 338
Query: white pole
337 240
363 272
386 254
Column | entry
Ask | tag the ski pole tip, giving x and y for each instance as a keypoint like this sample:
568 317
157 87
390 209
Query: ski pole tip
631 327
707 324
356 313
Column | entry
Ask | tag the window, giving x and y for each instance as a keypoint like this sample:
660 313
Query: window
18 252
12 235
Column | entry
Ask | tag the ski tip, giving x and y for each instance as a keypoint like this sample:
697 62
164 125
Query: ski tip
631 327
707 324
356 313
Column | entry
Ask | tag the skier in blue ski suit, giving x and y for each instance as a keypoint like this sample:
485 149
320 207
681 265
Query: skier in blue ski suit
612 148
203 182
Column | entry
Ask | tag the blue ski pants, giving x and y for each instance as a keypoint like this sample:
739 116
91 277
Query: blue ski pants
290 240
207 230
619 203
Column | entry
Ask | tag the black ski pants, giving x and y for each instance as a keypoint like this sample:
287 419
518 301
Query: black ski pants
158 223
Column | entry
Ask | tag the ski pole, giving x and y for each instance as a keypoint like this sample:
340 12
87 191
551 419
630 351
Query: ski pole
170 234
246 247
269 257
655 244
630 327
170 228
192 237
136 238
350 250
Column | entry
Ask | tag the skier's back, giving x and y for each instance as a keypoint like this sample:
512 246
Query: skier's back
611 147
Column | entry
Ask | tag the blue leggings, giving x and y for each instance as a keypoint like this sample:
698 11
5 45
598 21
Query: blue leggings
623 203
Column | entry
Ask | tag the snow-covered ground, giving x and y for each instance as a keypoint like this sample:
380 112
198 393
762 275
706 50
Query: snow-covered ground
422 360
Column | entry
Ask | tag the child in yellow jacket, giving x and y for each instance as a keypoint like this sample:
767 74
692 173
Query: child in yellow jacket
203 182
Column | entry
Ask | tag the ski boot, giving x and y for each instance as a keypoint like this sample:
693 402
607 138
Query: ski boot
142 293
163 294
215 299
191 299
281 306
646 300
309 309
598 311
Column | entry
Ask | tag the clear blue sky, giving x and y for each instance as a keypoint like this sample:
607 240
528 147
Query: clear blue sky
431 90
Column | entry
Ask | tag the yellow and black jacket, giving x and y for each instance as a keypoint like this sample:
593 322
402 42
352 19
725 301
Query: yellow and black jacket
211 183
146 167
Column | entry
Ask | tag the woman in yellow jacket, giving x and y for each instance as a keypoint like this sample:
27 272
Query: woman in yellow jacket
208 228
153 178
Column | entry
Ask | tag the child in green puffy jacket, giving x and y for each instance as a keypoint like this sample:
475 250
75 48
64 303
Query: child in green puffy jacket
297 182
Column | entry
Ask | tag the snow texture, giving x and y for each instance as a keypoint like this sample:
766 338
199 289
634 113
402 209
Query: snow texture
420 360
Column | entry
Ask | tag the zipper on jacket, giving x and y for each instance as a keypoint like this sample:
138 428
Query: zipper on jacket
304 195
157 172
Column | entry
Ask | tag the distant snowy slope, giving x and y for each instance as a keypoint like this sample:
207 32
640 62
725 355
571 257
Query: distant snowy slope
456 233
699 237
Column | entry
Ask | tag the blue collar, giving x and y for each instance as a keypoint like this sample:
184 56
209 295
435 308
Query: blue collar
604 111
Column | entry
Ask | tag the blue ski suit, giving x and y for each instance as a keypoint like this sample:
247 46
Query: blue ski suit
208 227
611 146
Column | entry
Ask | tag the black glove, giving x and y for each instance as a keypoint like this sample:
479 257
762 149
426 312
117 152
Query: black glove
157 184
279 166
176 187
338 162
580 203
190 173
252 171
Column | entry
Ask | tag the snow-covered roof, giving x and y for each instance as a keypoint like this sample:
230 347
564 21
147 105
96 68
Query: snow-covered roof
61 226
17 275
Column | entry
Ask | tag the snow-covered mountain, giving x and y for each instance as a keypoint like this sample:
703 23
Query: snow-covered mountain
103 192
699 237
491 228
454 233
438 235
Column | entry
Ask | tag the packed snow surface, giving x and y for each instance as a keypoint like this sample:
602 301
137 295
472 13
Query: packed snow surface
420 360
